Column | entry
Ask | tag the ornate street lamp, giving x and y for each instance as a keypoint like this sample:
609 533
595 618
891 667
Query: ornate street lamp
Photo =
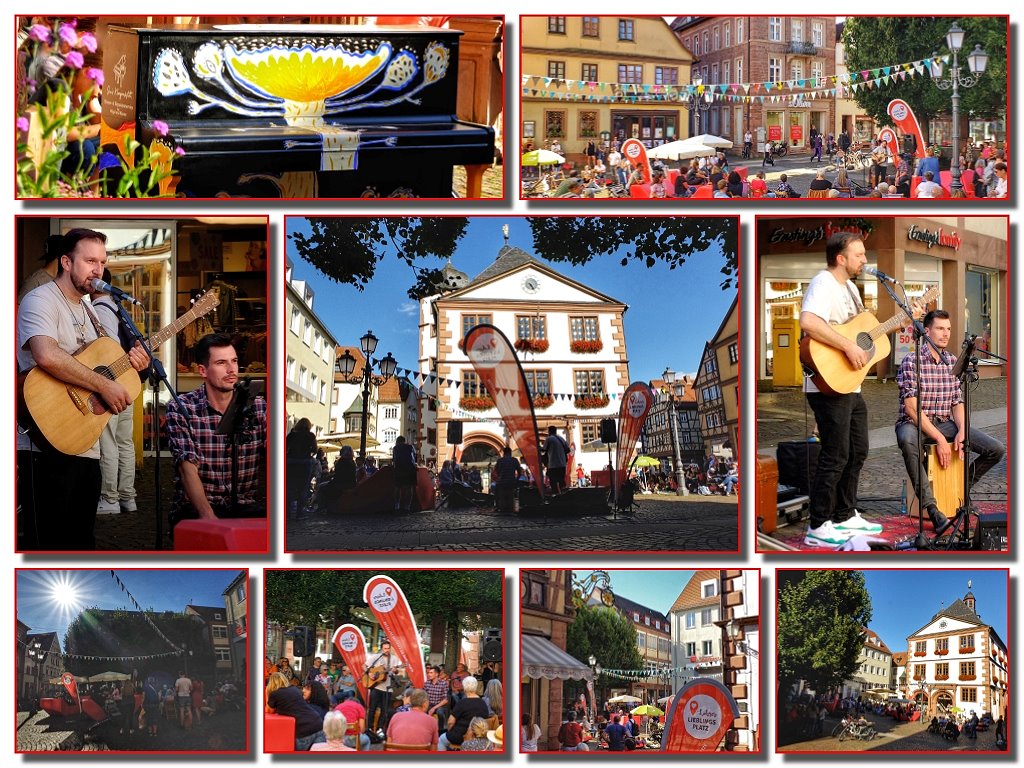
697 103
347 366
977 61
677 456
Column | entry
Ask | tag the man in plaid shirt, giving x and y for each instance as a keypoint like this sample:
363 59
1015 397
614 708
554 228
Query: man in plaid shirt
942 416
437 696
203 458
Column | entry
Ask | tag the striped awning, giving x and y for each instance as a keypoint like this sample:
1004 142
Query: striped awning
542 658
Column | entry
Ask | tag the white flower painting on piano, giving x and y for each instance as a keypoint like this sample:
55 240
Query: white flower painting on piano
301 83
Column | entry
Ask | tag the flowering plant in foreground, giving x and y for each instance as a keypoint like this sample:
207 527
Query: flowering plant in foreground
42 128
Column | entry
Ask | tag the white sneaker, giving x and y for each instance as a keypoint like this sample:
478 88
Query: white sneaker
857 524
108 507
129 505
826 535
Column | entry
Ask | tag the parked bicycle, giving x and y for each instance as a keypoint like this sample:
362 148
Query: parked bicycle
855 729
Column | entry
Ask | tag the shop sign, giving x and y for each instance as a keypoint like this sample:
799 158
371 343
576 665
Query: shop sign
810 236
938 237
774 133
796 132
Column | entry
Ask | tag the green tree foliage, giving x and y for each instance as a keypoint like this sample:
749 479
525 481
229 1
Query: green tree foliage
464 601
879 41
821 618
607 635
348 249
96 632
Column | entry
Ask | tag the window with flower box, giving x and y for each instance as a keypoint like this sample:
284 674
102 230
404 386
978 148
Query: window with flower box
590 392
584 335
967 670
919 671
942 671
531 333
587 124
474 396
942 646
539 384
554 124
921 648
966 643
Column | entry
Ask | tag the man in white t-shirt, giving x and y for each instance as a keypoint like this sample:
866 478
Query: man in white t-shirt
832 298
183 696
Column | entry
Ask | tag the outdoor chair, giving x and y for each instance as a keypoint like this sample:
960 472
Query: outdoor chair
819 193
391 746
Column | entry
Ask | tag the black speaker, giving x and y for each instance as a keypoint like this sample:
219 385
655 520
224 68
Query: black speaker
492 645
608 431
454 432
990 533
303 641
798 462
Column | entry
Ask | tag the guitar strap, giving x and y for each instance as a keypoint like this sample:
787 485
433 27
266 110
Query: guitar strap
857 303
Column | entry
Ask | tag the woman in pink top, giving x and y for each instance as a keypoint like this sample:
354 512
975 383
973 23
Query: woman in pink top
335 726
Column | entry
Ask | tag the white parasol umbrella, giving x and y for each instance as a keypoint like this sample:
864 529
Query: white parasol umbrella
541 157
682 150
109 677
623 699
710 140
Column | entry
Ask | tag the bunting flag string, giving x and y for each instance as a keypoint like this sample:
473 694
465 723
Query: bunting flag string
177 651
124 658
810 88
644 674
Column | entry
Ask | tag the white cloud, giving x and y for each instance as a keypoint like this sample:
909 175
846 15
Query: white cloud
408 308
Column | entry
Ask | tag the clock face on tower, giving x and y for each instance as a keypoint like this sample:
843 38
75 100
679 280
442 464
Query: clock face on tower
942 624
531 284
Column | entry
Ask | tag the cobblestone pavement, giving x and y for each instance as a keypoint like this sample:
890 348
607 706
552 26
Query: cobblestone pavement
799 170
662 524
225 731
896 737
493 184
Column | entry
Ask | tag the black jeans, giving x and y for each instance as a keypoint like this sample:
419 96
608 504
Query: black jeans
843 429
378 700
58 495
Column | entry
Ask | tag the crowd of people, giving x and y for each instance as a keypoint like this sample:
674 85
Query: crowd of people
453 711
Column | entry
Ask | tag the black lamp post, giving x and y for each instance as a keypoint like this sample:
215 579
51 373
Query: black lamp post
677 456
347 366
698 102
38 656
977 61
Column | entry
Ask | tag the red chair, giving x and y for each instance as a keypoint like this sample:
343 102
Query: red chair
278 733
703 192
742 171
642 191
241 535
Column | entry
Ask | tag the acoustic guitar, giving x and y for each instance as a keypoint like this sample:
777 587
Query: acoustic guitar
832 373
377 674
71 418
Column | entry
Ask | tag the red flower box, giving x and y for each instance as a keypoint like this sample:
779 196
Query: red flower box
543 401
478 403
942 677
967 649
591 401
968 677
531 345
942 652
920 653
586 346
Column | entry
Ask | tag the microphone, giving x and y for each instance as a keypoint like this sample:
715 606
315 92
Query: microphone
116 293
881 275
970 343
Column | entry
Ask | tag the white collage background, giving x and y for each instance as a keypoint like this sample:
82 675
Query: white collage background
512 205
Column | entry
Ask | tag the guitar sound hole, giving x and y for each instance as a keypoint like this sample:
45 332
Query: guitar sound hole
104 371
864 341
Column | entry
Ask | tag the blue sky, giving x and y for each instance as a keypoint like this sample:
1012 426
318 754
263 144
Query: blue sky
48 600
903 601
671 312
657 589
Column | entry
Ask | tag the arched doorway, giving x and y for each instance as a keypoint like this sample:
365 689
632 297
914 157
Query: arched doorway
480 452
944 701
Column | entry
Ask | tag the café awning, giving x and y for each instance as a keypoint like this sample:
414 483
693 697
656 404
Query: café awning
542 658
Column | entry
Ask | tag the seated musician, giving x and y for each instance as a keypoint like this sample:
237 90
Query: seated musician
59 493
203 458
942 417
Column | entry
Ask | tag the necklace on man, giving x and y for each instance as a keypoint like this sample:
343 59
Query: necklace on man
78 324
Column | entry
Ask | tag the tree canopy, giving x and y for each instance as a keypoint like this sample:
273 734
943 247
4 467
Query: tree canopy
607 635
128 635
871 42
820 634
347 250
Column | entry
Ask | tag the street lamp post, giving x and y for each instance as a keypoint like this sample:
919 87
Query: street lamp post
698 102
977 61
677 457
346 367
35 652
595 667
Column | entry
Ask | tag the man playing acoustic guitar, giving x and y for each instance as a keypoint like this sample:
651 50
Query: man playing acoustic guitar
378 679
832 298
59 493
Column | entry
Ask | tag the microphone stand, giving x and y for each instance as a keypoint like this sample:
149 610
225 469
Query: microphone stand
157 375
921 542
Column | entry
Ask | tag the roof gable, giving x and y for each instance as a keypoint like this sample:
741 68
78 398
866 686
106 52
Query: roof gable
690 597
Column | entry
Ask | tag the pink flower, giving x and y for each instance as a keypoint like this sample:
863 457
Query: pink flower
67 34
160 128
88 41
22 123
74 59
96 75
179 151
39 33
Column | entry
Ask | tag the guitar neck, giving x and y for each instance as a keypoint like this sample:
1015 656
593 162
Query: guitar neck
900 319
122 364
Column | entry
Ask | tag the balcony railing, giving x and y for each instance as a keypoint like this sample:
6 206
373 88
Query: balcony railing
803 47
